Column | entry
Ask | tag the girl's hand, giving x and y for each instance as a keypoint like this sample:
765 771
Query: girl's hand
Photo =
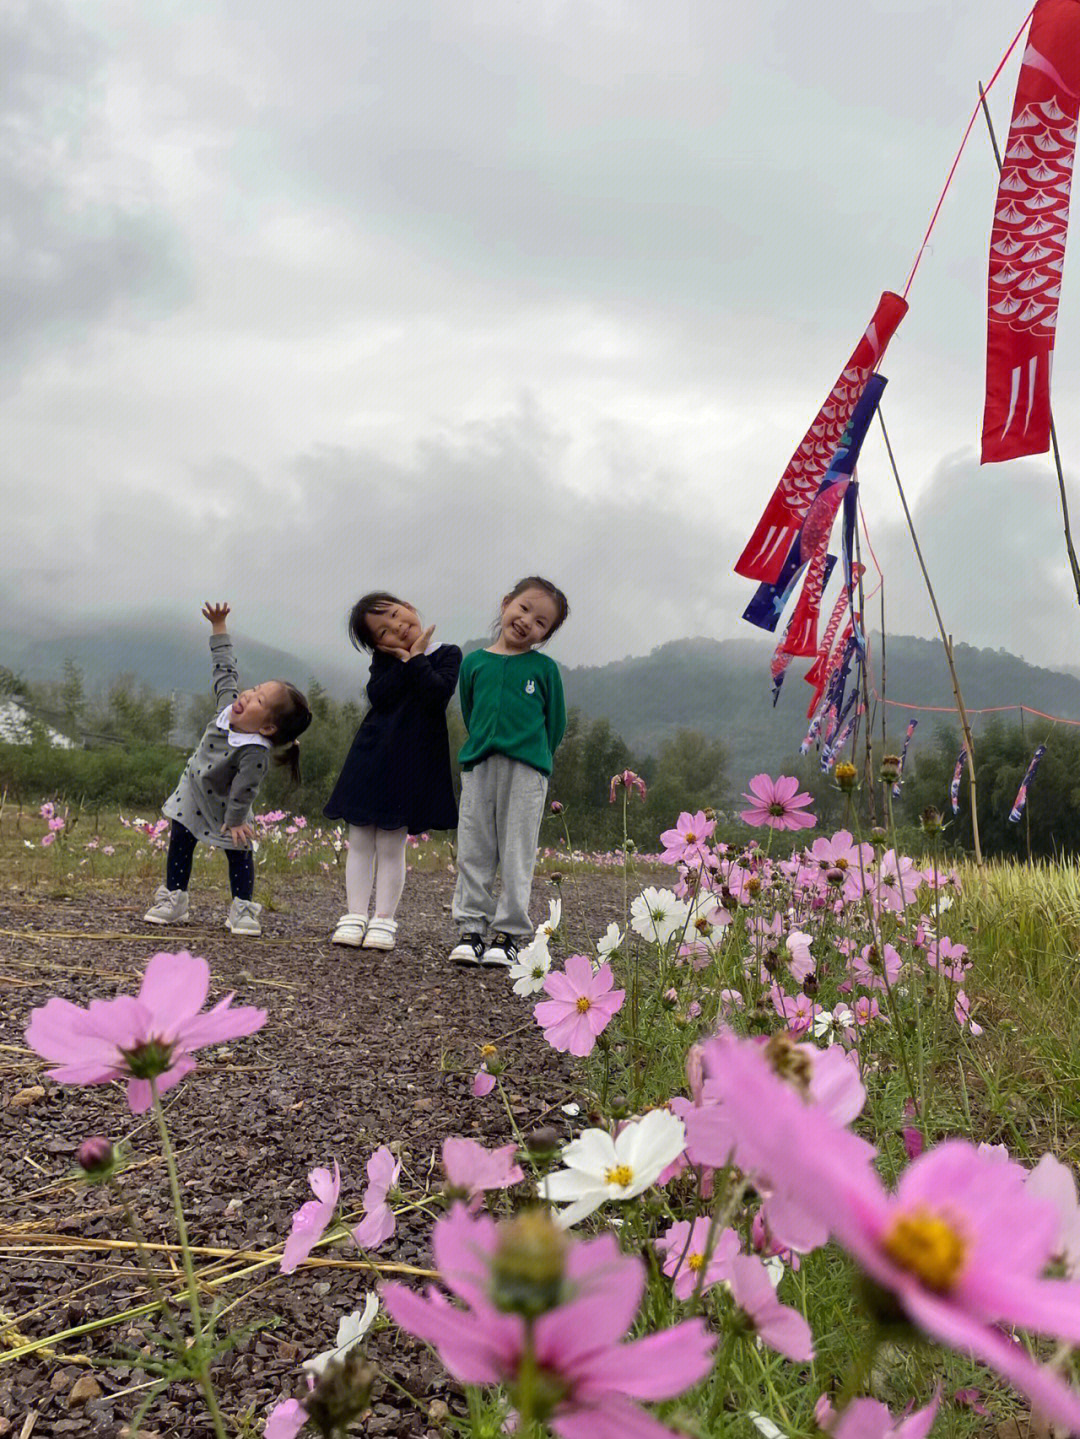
418 646
217 615
240 834
421 642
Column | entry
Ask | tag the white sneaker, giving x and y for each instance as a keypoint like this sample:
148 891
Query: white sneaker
380 934
350 930
501 953
468 949
243 917
170 906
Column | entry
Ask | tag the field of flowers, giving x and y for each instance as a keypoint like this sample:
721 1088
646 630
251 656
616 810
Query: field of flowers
821 1177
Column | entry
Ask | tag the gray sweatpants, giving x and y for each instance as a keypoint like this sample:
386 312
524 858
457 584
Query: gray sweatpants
502 804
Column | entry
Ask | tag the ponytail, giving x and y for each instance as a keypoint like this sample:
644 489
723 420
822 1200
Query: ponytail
290 758
292 721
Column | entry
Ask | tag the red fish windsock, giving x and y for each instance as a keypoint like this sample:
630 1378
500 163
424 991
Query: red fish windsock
1027 246
779 526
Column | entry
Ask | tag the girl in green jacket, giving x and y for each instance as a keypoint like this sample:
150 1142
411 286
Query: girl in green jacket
513 708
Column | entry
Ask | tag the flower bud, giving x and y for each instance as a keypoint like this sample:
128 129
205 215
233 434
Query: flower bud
879 837
846 776
556 806
342 1393
753 885
542 1142
556 878
619 1106
930 820
96 1156
710 814
890 768
834 875
528 1265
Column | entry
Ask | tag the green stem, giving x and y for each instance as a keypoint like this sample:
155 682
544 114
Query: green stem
201 1363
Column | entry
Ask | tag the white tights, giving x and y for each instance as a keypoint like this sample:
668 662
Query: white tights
379 854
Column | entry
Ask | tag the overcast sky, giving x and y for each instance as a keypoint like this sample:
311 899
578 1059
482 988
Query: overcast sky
300 300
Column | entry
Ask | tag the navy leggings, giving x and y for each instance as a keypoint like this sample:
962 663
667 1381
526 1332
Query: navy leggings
182 851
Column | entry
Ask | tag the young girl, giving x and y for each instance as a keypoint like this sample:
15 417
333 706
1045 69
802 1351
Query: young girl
212 802
396 778
513 708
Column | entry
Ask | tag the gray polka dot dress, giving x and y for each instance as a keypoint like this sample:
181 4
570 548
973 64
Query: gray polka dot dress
220 780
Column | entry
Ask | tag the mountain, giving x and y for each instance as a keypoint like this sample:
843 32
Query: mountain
720 687
164 656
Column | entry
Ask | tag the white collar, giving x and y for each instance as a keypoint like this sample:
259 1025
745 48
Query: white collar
432 648
238 737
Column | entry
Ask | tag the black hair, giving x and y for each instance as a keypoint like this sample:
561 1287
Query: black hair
291 720
376 603
537 582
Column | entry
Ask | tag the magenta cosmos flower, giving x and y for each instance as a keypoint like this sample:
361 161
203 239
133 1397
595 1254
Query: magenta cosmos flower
686 1254
474 1169
378 1223
310 1220
775 1324
589 1377
581 1005
688 841
140 1037
627 780
868 1419
777 803
961 1244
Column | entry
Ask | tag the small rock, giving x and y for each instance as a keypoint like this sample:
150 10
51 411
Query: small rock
84 1389
22 1097
61 1380
438 1410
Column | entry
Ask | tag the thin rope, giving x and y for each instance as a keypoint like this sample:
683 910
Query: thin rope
991 710
963 142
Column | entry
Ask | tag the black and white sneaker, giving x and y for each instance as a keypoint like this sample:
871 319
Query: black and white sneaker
501 953
469 949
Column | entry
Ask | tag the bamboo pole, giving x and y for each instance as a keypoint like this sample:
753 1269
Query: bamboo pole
946 641
1074 565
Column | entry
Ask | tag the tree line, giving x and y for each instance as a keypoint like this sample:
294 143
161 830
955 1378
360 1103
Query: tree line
132 742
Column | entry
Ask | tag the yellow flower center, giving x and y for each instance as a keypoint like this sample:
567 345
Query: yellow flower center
790 1061
620 1174
690 837
584 1004
928 1246
696 1262
702 925
488 1051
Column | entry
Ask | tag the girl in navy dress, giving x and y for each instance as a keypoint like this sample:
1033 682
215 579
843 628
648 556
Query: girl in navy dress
396 778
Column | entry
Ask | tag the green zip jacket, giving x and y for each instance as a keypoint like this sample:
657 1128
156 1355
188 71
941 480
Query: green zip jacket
512 705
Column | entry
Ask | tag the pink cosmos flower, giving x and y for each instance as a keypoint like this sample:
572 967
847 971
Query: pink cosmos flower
874 968
685 1251
869 1419
777 803
48 839
962 1010
581 1005
139 1037
474 1169
483 1082
687 842
310 1220
378 1223
897 882
796 1010
962 1244
947 958
775 1324
576 1344
866 1010
627 780
285 1420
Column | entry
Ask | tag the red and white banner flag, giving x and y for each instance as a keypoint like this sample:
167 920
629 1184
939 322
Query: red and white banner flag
1027 246
779 526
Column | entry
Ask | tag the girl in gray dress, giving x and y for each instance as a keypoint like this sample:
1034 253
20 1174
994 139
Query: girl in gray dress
212 802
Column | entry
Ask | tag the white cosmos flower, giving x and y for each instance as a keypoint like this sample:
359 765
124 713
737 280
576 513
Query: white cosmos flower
823 1024
551 924
350 1331
656 914
606 945
533 963
599 1168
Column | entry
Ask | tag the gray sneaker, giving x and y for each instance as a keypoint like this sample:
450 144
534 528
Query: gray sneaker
170 906
243 917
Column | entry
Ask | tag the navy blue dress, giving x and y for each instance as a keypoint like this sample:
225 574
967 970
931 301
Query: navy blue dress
397 772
